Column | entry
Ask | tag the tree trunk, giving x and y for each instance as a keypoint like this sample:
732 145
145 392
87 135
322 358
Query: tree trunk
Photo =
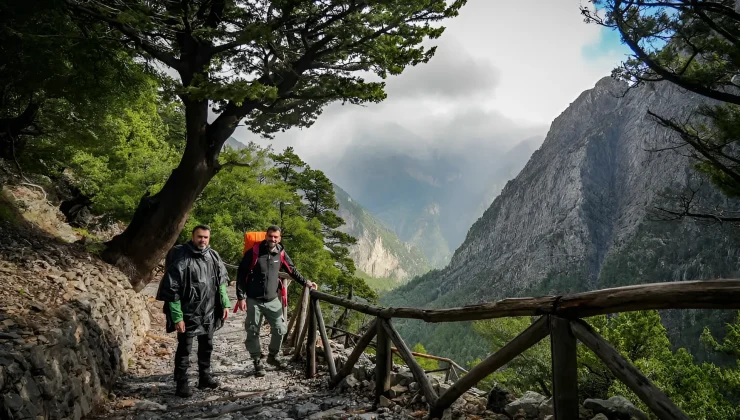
159 218
11 145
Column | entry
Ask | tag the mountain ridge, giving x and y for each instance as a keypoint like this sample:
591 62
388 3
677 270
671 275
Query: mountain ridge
577 218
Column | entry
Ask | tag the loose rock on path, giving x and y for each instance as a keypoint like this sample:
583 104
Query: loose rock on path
147 390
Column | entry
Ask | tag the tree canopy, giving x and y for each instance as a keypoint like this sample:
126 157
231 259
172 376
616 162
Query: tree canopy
267 64
58 74
696 46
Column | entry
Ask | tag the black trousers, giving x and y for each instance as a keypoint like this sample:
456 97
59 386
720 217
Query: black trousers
182 355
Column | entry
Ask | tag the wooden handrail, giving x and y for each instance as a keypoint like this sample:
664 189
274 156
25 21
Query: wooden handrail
558 317
702 294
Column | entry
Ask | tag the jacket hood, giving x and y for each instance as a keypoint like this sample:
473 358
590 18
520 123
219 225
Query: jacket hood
197 251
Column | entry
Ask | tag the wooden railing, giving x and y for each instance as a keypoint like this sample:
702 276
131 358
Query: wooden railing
451 369
559 317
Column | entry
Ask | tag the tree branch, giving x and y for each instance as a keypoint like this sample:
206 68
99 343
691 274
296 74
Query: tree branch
163 56
656 67
697 144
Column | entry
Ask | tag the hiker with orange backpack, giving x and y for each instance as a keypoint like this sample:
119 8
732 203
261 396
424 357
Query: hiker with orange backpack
260 292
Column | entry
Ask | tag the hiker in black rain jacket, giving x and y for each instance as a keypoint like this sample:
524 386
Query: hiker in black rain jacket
257 291
196 304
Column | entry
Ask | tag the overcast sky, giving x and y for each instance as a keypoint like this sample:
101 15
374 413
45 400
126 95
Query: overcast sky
503 71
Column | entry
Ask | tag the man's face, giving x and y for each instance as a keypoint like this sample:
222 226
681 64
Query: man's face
201 237
272 238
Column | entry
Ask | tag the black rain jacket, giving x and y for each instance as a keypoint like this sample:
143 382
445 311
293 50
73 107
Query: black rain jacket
194 276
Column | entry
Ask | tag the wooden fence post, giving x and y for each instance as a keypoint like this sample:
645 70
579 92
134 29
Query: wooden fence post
626 372
355 355
529 337
328 354
406 355
311 342
564 369
300 320
298 349
286 283
383 361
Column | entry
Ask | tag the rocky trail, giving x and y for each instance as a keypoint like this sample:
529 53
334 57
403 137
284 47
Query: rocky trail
147 390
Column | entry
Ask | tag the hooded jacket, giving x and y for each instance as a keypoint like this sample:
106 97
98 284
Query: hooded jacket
262 282
194 289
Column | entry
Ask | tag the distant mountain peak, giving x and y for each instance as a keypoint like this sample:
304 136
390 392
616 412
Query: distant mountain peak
378 252
234 144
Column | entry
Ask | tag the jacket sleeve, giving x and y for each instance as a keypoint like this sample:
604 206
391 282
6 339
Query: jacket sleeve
223 282
171 285
241 275
290 267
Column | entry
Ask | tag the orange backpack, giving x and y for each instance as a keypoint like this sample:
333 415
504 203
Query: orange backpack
251 238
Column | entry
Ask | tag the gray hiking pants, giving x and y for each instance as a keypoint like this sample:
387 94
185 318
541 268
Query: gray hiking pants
273 312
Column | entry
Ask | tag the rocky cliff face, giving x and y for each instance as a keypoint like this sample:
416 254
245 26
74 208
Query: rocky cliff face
577 217
378 252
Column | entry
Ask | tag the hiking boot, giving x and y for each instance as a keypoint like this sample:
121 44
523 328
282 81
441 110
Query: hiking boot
183 389
259 368
273 360
207 381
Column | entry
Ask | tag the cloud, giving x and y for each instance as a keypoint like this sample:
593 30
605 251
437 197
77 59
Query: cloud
503 71
451 74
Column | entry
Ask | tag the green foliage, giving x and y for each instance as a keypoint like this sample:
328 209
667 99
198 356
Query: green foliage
378 284
58 73
703 391
729 378
257 188
291 58
135 159
530 371
426 364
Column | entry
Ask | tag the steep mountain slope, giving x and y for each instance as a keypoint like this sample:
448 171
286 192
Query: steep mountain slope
378 252
577 218
508 168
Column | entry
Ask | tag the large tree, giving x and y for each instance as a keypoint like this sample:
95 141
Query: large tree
271 64
694 44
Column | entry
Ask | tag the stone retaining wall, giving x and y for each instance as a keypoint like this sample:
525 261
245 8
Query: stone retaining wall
69 325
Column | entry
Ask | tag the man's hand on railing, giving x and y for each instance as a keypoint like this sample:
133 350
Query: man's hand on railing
311 285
